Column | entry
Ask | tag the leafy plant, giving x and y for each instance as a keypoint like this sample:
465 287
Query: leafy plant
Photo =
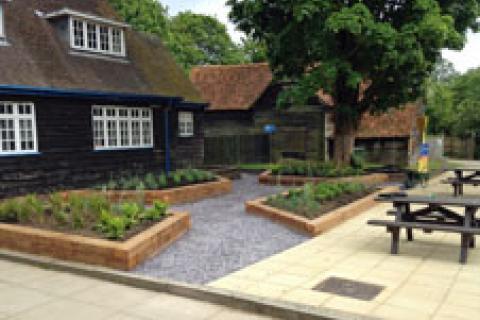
131 214
151 182
163 181
156 212
113 227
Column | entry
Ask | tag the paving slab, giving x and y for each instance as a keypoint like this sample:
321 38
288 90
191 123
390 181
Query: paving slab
95 299
425 281
223 238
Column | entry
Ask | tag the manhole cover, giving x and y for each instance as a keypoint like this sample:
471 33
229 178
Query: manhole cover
348 288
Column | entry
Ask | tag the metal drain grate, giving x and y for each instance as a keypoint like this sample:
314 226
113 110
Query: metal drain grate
348 288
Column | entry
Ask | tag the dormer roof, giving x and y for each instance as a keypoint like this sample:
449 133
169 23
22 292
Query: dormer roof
39 55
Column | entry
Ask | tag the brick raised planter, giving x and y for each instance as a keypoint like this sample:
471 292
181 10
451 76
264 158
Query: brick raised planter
321 224
118 255
368 179
186 194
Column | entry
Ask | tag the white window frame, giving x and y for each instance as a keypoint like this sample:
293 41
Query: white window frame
85 45
130 118
2 22
186 124
16 117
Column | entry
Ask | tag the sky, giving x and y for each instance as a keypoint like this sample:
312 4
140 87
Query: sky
463 60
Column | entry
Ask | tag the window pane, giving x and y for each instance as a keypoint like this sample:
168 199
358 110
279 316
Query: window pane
78 36
147 133
7 135
104 39
124 134
26 135
98 133
92 36
136 135
112 133
117 40
2 33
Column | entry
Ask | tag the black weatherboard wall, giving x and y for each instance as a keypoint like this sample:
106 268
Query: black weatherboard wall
66 157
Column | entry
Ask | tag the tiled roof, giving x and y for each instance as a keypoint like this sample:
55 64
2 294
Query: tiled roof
235 87
39 55
393 124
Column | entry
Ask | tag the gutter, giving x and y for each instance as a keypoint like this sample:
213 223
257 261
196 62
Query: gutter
88 94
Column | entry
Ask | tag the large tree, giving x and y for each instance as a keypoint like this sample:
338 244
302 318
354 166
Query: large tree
144 15
368 55
198 39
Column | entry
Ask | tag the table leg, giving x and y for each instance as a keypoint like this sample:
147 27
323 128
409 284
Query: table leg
464 248
459 174
395 240
410 218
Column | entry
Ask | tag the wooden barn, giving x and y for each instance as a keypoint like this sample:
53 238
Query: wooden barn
83 96
243 101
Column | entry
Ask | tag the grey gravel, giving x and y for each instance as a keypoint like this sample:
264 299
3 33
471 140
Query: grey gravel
223 238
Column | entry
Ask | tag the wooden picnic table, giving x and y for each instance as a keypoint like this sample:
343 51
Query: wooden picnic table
460 179
432 216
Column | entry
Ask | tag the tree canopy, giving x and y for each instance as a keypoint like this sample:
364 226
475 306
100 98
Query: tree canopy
369 55
197 39
454 104
194 39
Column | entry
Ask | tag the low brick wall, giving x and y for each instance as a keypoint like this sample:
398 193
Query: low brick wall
369 179
118 255
319 225
187 194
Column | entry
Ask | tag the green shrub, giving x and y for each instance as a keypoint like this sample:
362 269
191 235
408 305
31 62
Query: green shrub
113 227
163 181
307 201
151 182
177 178
131 214
156 212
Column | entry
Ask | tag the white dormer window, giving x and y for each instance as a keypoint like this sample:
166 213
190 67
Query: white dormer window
95 37
2 23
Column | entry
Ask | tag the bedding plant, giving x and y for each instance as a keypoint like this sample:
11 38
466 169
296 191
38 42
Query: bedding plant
91 215
154 181
316 169
312 201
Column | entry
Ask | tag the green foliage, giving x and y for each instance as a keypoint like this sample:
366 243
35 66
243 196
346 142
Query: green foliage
197 39
314 169
151 182
112 226
194 39
307 201
163 181
367 55
453 105
78 211
156 212
130 213
145 15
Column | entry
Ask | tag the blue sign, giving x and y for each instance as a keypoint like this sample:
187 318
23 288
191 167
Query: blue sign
270 128
425 150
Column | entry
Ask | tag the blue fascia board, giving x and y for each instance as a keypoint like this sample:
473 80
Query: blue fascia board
88 94
187 105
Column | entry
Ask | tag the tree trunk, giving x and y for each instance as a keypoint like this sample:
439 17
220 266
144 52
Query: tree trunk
345 133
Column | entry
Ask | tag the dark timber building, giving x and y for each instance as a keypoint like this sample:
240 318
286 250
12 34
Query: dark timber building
242 101
83 96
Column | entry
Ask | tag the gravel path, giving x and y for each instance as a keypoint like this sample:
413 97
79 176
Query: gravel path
223 238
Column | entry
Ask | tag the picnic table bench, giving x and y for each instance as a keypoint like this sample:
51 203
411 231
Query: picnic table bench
460 179
433 216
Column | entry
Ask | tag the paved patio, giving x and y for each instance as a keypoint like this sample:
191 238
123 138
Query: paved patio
424 282
32 293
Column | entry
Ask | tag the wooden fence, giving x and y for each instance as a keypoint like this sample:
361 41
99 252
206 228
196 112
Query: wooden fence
228 150
461 147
